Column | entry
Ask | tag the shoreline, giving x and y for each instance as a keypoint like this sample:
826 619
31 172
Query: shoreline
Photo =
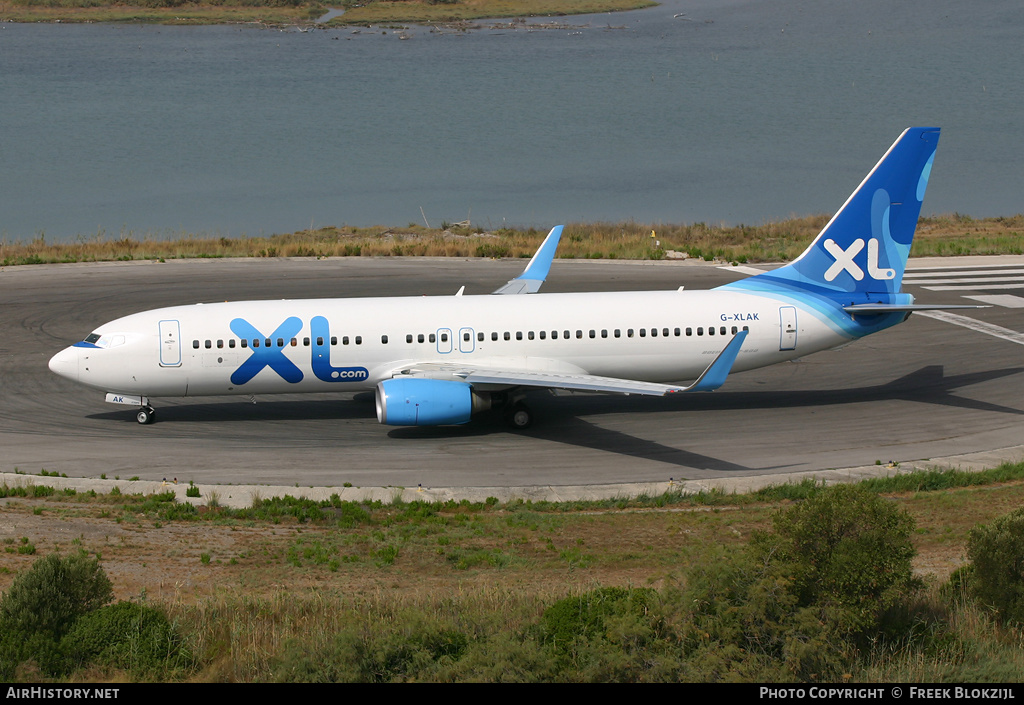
309 14
937 236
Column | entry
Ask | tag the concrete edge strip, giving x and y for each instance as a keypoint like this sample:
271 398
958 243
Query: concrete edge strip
239 496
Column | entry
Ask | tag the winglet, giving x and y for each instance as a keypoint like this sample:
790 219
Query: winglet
536 271
714 376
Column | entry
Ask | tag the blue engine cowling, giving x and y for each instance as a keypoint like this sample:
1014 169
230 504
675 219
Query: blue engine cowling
424 402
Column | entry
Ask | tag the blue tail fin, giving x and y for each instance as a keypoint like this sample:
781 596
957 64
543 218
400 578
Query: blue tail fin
863 250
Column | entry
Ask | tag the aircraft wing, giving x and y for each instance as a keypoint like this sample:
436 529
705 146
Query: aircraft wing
536 271
712 378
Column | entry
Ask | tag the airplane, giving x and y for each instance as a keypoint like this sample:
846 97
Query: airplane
439 360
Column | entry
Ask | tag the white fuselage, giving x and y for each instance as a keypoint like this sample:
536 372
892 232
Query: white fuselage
323 345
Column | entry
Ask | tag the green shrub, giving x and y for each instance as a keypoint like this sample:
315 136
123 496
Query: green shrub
413 651
129 636
847 549
586 617
48 597
996 579
42 605
738 619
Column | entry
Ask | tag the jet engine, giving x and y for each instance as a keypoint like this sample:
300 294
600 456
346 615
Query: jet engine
414 401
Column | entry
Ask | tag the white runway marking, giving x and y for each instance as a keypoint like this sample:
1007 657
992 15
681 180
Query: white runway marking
744 269
975 325
1004 300
962 287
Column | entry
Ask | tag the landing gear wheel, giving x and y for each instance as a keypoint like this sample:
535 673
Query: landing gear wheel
146 415
519 416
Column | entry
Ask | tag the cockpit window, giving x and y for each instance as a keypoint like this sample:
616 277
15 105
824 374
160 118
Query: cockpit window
111 340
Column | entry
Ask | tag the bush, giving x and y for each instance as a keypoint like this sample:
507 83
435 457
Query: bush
739 620
43 604
996 579
846 549
585 617
53 593
126 635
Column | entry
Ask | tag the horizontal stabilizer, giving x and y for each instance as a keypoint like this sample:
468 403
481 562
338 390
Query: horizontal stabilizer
536 271
874 309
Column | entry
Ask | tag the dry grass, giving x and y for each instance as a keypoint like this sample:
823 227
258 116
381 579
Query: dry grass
261 594
419 12
770 242
303 13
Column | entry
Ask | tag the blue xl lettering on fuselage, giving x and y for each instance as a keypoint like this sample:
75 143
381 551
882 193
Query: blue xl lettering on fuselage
273 357
321 356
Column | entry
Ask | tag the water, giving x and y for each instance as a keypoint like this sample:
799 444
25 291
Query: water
740 111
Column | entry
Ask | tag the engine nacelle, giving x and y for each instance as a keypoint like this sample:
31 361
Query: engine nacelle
414 401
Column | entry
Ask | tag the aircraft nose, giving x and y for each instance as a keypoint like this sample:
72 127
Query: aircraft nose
65 363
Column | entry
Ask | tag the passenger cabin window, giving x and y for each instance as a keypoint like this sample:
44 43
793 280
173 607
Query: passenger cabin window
384 340
359 340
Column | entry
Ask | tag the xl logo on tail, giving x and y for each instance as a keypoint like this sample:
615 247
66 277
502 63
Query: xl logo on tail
844 260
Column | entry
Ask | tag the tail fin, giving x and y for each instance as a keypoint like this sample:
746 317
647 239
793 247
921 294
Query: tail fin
864 248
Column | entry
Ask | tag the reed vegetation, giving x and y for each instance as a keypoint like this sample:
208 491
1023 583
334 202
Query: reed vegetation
770 242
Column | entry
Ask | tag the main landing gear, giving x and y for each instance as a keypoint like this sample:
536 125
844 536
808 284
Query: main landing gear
518 415
146 415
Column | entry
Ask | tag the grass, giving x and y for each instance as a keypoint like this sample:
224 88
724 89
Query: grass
770 242
299 12
289 589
